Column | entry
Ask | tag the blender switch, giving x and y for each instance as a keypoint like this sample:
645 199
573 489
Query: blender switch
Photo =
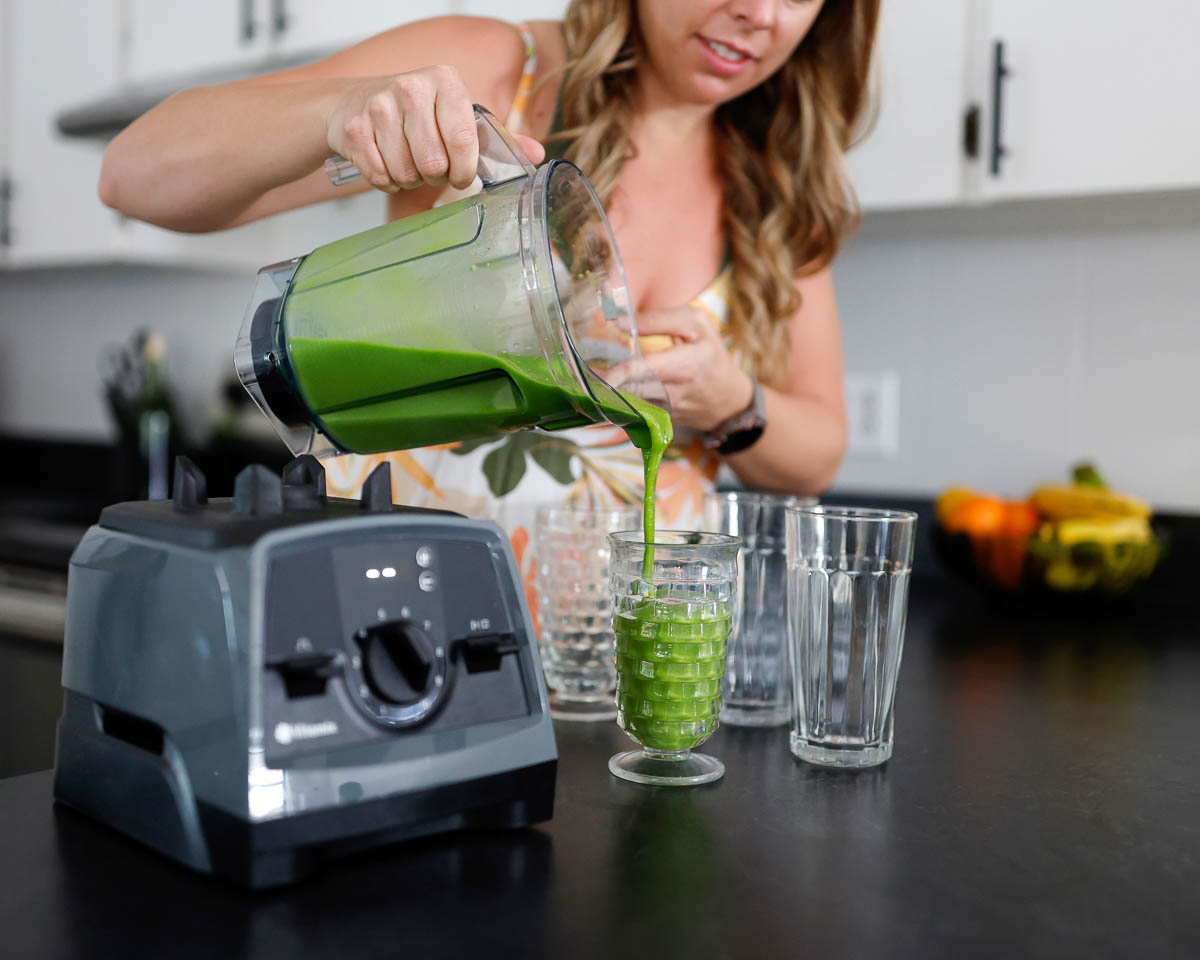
482 653
305 675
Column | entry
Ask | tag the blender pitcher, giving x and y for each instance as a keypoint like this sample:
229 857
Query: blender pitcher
499 311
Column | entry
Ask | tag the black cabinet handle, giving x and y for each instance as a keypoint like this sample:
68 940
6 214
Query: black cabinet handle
1000 72
247 28
970 133
279 16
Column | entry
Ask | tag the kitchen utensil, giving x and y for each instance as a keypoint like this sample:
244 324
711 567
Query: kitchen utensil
671 630
575 606
498 311
757 691
848 573
255 684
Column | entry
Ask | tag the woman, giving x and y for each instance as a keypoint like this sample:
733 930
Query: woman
713 130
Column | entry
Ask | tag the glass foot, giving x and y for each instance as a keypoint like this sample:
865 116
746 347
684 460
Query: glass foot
601 708
851 756
664 769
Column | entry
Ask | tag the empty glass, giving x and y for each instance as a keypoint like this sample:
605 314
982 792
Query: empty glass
671 629
757 689
575 607
848 573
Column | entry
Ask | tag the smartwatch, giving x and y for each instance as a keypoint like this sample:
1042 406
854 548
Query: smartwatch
742 429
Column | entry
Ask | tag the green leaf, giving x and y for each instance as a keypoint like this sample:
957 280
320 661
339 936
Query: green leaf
1086 475
554 456
467 446
505 466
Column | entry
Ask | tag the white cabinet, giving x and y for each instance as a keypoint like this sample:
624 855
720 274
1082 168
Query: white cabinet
1097 98
5 115
514 10
913 155
58 52
302 25
174 38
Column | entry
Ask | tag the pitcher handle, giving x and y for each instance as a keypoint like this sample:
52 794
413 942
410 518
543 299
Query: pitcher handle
500 159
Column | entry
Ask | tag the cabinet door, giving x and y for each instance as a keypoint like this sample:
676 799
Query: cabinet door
913 155
61 50
169 39
515 10
300 26
5 121
1098 98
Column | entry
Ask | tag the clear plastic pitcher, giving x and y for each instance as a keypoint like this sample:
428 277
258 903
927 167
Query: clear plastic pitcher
499 311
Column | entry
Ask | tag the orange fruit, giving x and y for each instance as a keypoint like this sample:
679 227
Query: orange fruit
1021 519
980 516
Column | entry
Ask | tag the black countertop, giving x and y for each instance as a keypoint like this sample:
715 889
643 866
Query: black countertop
1043 801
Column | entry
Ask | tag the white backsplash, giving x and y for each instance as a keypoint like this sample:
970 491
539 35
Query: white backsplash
1025 336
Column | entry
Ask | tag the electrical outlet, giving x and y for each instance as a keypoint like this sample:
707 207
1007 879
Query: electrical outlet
873 409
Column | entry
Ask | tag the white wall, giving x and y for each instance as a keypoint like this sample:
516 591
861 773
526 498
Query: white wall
55 325
1026 336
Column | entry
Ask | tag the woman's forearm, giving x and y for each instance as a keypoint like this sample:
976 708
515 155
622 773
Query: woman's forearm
800 449
200 158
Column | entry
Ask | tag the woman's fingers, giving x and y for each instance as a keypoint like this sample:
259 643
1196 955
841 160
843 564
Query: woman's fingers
425 142
392 146
456 124
680 364
413 129
532 149
690 324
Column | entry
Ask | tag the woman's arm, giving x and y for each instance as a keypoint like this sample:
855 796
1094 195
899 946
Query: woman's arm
215 157
805 439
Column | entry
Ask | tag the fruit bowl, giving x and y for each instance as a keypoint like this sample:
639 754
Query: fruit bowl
1045 564
1077 538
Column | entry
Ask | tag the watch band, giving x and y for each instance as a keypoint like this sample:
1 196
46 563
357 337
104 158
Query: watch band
741 430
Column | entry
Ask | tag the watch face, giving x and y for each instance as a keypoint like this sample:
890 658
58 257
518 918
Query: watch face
741 439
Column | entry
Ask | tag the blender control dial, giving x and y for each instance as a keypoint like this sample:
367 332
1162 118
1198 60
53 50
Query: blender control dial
402 671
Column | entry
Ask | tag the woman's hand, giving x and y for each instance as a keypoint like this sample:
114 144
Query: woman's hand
411 130
704 382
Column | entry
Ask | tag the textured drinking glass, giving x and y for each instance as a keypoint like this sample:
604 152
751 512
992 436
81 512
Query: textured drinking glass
757 689
575 607
848 572
671 630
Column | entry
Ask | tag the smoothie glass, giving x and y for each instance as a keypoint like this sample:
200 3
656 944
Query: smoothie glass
498 311
671 630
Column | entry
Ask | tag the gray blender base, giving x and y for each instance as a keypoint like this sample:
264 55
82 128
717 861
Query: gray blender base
256 684
131 779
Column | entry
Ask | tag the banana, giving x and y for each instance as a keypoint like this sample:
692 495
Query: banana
1076 501
1103 530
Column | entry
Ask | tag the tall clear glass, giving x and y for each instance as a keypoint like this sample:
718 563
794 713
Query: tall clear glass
757 688
848 575
671 630
575 606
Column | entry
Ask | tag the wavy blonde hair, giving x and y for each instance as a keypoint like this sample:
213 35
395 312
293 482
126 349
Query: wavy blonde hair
788 203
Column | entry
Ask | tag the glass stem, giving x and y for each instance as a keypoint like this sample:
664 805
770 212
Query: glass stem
665 754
